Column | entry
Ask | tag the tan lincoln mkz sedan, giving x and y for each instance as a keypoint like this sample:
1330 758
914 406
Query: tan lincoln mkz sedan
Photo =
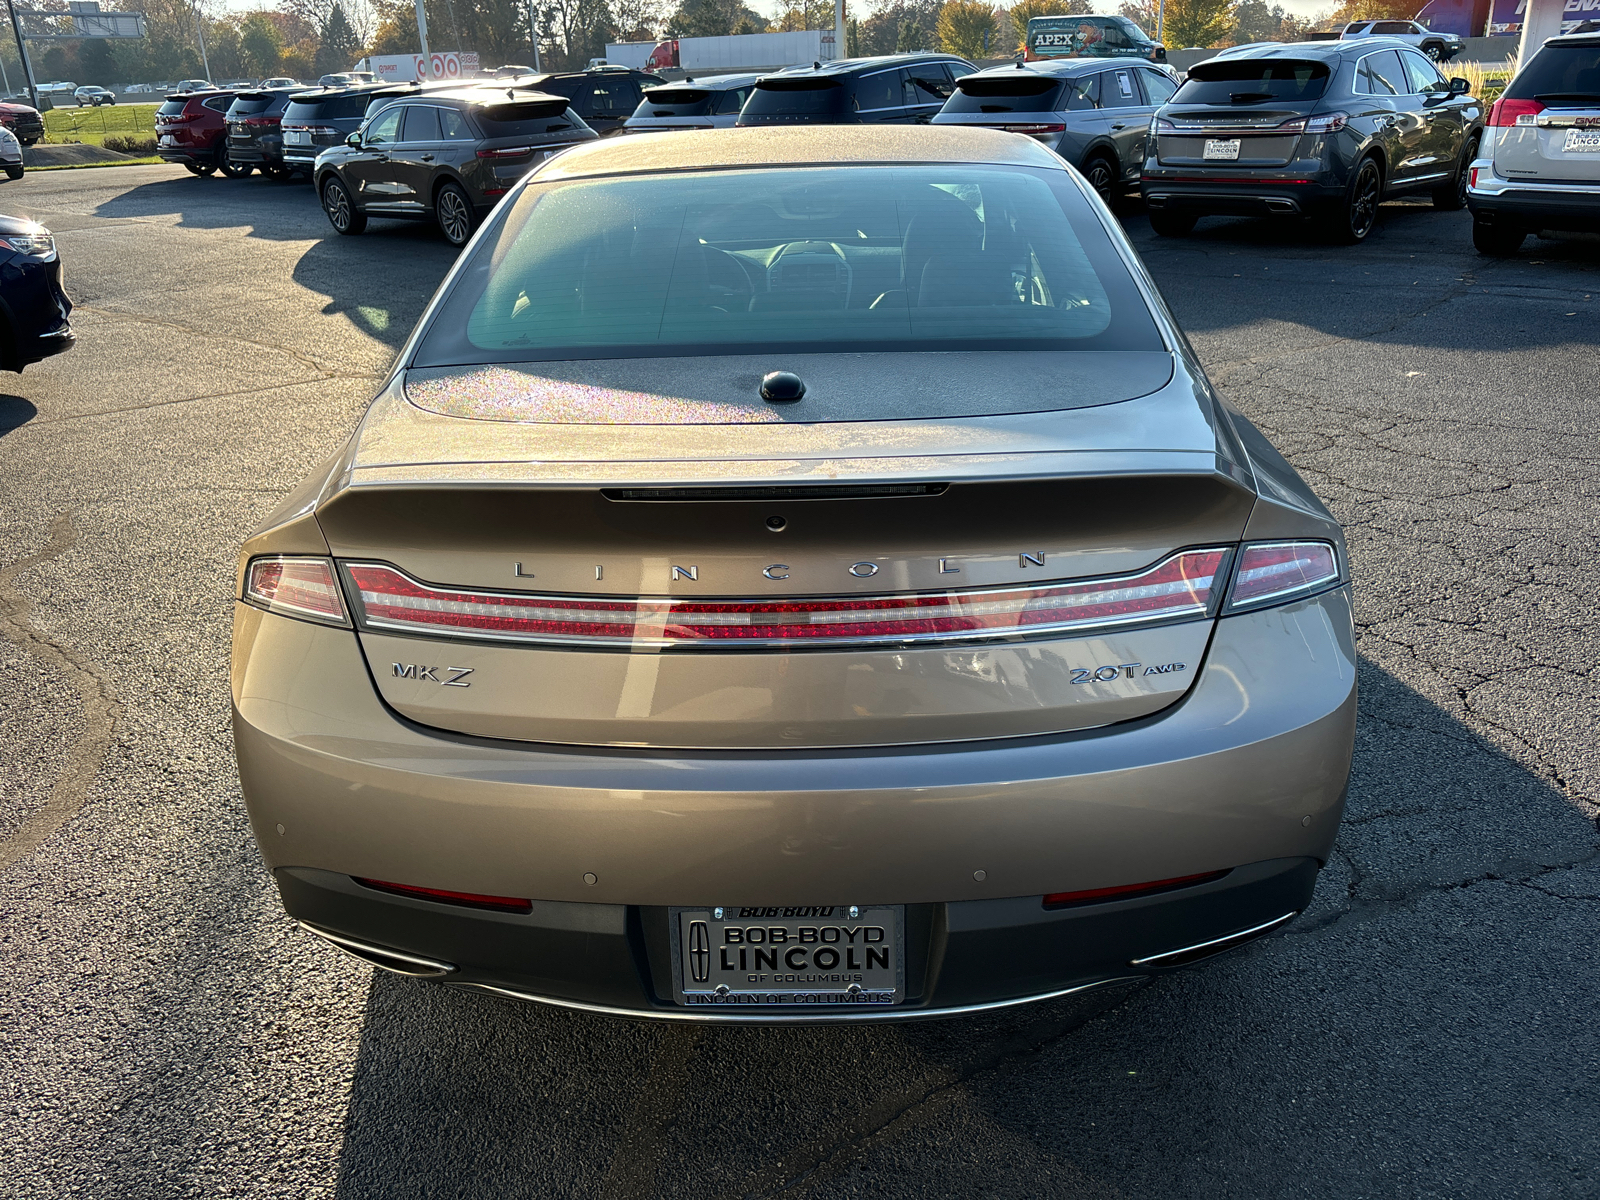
796 575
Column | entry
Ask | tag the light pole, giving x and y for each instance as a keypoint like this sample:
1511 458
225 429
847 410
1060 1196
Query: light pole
533 33
200 33
1161 20
22 53
422 35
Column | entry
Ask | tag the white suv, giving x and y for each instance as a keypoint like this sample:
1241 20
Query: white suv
1538 166
1441 47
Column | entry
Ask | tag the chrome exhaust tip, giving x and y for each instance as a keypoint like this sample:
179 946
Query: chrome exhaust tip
396 961
1190 954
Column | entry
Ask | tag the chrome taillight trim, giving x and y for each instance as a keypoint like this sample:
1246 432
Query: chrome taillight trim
961 603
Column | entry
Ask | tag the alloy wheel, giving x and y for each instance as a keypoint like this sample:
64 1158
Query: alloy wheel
336 203
1099 178
455 217
1434 53
1364 200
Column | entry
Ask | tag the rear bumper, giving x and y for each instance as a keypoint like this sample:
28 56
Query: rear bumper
962 957
259 153
187 154
1545 207
1249 768
1261 196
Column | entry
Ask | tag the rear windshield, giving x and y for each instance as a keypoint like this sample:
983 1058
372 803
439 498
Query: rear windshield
1251 80
251 102
808 97
731 262
676 102
327 108
1560 73
173 107
523 119
975 94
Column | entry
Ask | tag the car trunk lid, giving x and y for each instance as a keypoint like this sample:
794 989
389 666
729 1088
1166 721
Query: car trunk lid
744 586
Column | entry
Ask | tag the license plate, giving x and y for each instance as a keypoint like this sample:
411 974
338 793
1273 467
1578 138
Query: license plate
297 137
821 956
1226 149
1582 141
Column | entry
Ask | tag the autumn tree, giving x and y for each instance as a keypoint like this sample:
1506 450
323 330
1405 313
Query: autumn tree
1201 23
339 47
261 44
967 28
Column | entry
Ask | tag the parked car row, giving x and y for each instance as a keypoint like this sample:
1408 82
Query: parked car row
1321 132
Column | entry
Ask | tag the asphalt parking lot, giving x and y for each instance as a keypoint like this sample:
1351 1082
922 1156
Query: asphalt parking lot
1428 1029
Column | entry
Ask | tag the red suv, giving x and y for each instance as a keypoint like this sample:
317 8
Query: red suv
192 130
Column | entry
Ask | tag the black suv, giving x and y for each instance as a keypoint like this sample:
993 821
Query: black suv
254 133
604 97
445 155
903 89
1326 130
316 120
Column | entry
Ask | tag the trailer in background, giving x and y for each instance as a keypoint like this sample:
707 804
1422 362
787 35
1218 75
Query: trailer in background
411 68
736 52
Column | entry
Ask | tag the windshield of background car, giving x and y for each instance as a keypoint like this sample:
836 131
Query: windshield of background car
1025 93
807 96
1247 80
326 108
1559 71
804 259
524 118
676 102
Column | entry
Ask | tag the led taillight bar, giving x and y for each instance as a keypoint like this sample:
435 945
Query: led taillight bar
1182 586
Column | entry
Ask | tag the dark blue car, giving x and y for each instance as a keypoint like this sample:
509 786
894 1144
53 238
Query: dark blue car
33 306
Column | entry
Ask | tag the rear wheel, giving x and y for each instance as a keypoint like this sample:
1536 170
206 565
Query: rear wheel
14 172
1358 214
195 168
1172 224
233 170
1454 194
1101 175
276 171
343 215
453 210
1497 241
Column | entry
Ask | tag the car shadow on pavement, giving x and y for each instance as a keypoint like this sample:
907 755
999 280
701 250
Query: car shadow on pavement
1417 1030
381 283
15 412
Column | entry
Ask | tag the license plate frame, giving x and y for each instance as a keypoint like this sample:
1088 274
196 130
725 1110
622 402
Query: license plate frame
769 977
1222 149
1581 141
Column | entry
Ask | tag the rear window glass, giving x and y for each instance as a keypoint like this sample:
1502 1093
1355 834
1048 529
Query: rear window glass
800 97
987 94
523 119
676 102
172 108
327 108
1560 72
244 106
873 258
1249 80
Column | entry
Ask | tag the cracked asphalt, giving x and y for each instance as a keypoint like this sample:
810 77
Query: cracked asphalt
1427 1029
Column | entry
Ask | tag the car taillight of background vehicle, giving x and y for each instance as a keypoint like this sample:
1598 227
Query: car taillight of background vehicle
1034 130
1514 112
1278 572
296 587
1182 586
506 152
259 121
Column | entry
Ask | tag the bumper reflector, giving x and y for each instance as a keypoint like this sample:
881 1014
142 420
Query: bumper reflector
470 899
1182 586
1127 891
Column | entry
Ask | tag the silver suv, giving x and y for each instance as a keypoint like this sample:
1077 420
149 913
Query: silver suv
1538 166
1441 47
1092 112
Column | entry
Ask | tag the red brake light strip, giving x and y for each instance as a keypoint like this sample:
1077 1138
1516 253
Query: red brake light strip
1182 586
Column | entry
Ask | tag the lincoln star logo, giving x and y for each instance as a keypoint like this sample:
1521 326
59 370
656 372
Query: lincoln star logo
699 951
